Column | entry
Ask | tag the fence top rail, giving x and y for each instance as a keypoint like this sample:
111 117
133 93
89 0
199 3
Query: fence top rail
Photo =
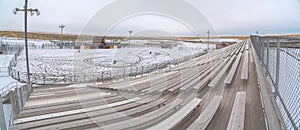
277 37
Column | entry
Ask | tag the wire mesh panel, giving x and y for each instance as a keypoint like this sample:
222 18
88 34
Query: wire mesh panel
280 57
289 83
272 63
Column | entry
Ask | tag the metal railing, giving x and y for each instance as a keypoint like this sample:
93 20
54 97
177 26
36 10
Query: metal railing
280 58
12 100
4 91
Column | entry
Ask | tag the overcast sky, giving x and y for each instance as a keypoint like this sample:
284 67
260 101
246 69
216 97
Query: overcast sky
224 17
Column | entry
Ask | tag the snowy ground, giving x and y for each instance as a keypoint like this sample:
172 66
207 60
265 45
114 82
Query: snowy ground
4 63
67 65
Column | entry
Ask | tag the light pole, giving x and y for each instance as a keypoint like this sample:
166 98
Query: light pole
62 28
129 36
32 12
208 32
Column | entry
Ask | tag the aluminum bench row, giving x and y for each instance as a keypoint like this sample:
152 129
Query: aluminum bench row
237 117
206 115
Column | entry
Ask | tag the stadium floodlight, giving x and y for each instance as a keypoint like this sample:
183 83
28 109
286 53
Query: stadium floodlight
32 12
38 12
15 10
62 28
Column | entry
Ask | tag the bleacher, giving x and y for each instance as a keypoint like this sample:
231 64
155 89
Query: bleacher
162 101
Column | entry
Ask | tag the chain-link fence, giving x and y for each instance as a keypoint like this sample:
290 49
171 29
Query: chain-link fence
280 58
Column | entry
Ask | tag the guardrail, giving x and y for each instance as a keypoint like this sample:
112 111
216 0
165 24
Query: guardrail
4 91
279 57
4 100
14 96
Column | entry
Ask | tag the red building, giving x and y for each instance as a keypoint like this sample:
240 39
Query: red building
221 45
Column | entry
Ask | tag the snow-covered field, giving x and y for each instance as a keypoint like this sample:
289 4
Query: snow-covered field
69 65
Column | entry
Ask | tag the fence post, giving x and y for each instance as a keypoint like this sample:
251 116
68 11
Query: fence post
22 96
13 102
277 65
260 48
268 47
110 75
102 77
263 51
29 90
8 70
136 71
142 71
24 93
130 74
124 73
44 78
2 116
18 75
19 99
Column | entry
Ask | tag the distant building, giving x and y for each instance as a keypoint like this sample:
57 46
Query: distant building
99 41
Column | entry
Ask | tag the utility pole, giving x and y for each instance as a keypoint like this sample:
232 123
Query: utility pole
208 32
32 12
129 36
62 28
